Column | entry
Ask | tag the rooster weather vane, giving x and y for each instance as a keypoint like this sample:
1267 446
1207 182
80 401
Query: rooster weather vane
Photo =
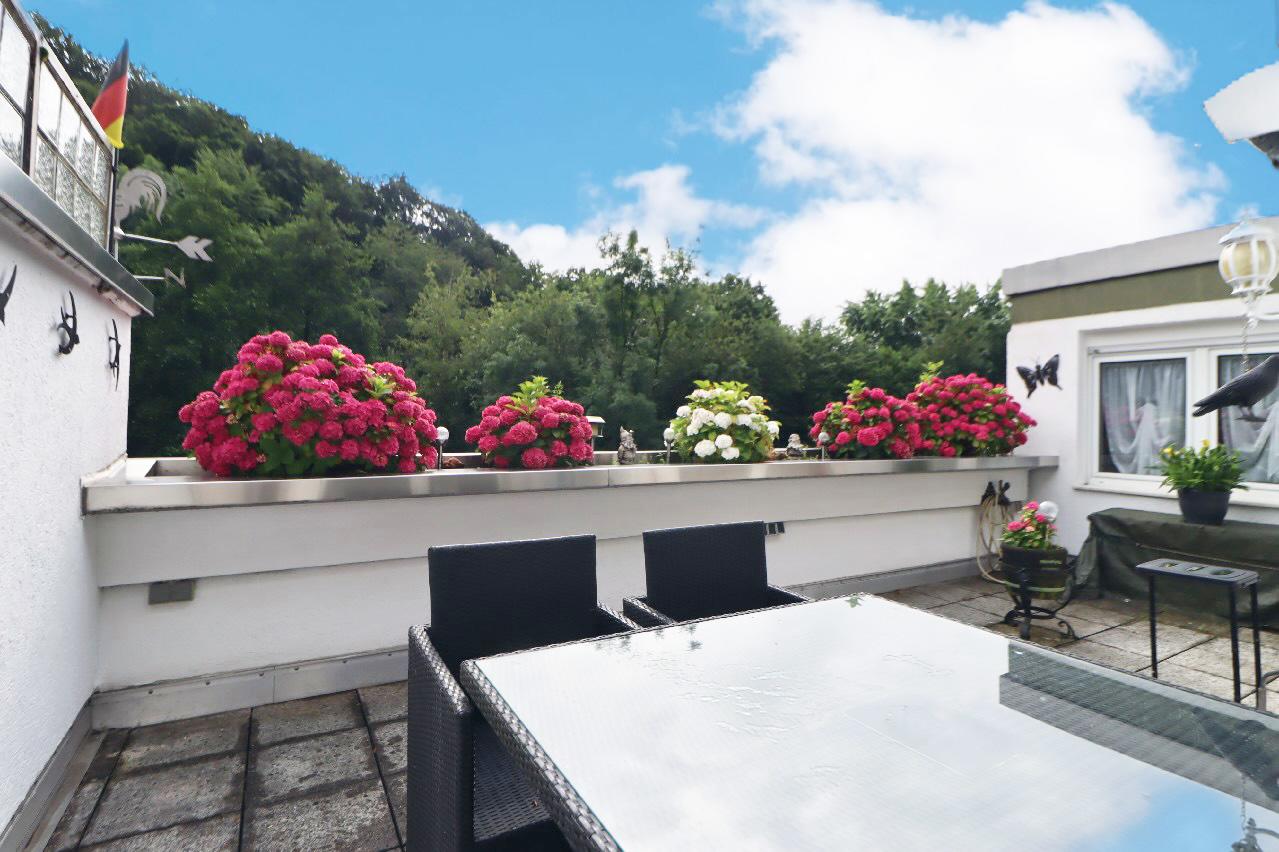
114 348
1043 374
68 326
7 293
142 189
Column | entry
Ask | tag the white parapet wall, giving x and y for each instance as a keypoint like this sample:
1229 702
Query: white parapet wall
294 571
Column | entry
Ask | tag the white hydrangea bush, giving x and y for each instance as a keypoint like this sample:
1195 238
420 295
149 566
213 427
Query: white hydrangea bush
723 422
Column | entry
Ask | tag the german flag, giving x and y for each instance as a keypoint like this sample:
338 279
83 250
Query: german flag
108 109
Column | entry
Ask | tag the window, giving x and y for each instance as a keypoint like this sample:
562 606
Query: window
1143 410
1253 435
15 77
71 160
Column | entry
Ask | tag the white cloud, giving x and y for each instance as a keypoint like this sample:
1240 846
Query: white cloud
955 148
663 208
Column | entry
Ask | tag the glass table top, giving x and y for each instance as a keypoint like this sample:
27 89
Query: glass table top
860 723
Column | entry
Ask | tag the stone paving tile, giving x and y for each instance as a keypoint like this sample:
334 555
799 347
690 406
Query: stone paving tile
1136 640
385 703
355 818
305 717
1104 612
74 819
1047 637
1087 649
996 605
391 741
964 613
951 592
299 767
219 834
1210 684
397 789
146 801
1213 657
915 598
170 742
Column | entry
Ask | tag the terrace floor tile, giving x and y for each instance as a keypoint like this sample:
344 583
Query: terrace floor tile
146 801
1136 639
914 598
391 743
1214 657
188 739
219 834
397 788
75 818
1209 684
305 717
1116 658
299 767
385 703
965 613
355 818
954 591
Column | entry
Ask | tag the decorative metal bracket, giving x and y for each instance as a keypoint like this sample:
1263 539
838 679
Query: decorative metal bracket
180 278
114 348
68 326
7 292
190 245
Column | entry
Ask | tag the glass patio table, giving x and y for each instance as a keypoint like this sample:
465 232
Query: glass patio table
859 723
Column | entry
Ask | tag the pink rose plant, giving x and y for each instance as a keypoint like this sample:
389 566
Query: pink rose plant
533 428
293 408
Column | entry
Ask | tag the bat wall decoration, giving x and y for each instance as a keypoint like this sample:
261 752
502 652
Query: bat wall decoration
1043 374
114 348
68 327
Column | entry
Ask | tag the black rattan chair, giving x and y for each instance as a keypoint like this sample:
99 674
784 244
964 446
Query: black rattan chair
464 790
696 572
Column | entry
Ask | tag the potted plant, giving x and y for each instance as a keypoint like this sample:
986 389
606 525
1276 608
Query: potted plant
870 424
723 422
292 408
1203 480
534 428
1027 549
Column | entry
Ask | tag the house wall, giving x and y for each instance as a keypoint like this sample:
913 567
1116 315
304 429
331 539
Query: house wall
1088 332
61 418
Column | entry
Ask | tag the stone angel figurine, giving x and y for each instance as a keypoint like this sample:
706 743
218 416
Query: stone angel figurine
794 447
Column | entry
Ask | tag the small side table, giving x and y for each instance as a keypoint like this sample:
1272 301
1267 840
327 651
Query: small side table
1233 579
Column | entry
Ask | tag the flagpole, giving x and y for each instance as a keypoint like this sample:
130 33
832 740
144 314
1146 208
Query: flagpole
113 245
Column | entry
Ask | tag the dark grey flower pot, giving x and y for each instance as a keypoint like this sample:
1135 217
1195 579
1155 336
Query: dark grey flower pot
1203 507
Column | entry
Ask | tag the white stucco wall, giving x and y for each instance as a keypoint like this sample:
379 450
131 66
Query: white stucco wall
1068 418
61 418
286 583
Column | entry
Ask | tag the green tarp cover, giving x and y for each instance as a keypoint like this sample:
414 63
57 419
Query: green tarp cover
1121 539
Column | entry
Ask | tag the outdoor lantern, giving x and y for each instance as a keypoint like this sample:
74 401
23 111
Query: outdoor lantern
1248 260
441 438
1049 510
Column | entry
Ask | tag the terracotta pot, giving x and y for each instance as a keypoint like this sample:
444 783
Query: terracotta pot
1203 507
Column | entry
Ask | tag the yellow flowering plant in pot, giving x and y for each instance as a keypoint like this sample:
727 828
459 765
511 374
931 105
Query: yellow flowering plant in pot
1203 480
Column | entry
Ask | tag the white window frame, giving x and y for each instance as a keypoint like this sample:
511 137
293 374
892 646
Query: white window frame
1200 351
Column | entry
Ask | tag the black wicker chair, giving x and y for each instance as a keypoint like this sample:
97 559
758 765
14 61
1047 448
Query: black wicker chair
696 572
464 791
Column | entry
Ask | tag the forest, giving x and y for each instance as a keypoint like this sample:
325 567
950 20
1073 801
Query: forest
302 245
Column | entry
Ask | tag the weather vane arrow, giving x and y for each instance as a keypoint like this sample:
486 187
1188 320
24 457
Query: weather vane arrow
190 245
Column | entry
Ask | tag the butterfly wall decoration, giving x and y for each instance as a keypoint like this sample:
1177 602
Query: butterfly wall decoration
1043 374
114 347
7 293
68 326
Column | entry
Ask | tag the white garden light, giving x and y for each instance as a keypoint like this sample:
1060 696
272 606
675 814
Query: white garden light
1248 261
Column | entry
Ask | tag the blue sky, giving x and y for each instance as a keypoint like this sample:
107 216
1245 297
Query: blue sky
551 120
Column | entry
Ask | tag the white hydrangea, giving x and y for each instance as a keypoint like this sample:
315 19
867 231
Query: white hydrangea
682 411
744 420
701 416
730 453
723 419
701 394
723 441
693 429
704 449
773 427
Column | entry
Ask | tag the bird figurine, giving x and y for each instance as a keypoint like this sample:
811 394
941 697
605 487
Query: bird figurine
1244 390
627 452
7 292
794 447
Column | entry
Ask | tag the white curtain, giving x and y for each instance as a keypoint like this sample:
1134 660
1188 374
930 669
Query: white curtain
1143 410
1256 442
